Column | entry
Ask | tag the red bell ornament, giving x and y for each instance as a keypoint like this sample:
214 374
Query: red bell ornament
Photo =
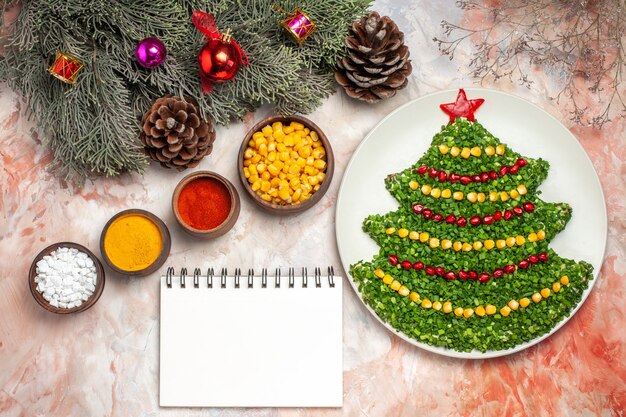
220 57
219 60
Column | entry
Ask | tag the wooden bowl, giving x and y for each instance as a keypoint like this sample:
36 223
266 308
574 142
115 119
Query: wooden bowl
230 220
315 197
32 273
165 250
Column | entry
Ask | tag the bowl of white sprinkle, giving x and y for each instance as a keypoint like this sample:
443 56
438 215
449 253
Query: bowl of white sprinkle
66 278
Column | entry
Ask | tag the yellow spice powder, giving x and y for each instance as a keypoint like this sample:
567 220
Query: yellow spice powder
133 242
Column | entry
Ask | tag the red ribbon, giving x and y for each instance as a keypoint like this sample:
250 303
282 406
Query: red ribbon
205 23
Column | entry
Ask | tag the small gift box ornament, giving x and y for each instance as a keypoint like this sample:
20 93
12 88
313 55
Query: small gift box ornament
298 24
66 67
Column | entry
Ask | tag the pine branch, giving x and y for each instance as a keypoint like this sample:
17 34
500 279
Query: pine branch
92 127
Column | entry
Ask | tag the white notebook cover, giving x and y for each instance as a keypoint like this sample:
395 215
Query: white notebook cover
251 347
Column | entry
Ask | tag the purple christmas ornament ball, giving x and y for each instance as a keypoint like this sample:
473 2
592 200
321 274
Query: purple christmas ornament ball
150 52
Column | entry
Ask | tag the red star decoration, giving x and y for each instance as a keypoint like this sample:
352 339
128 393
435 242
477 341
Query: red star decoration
462 107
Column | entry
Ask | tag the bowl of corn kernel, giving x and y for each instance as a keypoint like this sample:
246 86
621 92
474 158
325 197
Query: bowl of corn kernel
286 164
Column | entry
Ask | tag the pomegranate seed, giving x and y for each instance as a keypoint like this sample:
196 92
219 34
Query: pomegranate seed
430 270
484 277
543 256
450 218
473 275
521 162
442 176
450 275
533 259
523 264
422 170
484 177
476 178
509 269
518 210
406 264
463 275
428 214
508 214
440 271
418 265
497 215
475 221
504 170
437 217
513 169
493 175
488 219
465 180
498 273
529 207
461 221
417 208
393 260
433 172
454 177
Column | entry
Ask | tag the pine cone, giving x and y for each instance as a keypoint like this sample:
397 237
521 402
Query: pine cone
378 62
175 134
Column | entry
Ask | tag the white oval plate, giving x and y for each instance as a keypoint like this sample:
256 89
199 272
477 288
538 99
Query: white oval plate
402 137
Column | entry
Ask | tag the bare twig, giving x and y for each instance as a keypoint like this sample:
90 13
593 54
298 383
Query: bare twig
582 41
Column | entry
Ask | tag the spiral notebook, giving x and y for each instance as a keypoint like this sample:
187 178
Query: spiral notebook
251 340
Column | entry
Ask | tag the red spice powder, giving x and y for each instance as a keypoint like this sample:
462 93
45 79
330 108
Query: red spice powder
204 203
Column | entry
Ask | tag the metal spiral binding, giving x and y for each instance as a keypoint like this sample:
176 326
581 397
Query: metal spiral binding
291 277
318 277
250 278
209 278
183 275
223 278
168 277
237 277
196 278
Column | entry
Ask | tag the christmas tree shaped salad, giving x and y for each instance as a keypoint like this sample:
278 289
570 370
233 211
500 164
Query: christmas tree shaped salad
465 263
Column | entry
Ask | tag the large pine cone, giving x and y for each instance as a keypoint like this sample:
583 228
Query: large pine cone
175 134
378 62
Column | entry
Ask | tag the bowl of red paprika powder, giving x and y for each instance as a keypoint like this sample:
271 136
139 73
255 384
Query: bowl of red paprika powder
205 204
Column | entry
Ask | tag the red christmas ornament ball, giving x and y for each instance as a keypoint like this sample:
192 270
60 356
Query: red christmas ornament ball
219 60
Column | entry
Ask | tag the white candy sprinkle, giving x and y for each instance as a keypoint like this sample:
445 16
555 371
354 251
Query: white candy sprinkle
66 277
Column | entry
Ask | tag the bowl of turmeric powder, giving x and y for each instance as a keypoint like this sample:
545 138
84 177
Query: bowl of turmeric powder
135 242
286 164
